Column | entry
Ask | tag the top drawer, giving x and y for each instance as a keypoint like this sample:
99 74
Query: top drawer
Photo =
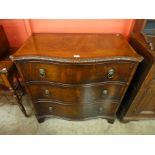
76 73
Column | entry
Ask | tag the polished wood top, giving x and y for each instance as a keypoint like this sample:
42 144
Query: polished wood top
75 46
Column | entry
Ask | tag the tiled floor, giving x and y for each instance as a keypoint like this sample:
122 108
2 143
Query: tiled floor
12 121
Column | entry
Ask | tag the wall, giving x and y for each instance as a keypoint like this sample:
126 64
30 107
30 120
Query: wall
18 30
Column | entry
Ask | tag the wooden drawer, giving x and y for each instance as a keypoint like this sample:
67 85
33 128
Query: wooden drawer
77 73
76 112
76 93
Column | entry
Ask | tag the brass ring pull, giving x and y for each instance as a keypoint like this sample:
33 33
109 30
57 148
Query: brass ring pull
47 93
105 92
111 73
101 109
42 73
50 109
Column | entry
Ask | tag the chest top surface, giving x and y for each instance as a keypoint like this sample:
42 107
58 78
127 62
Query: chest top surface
75 46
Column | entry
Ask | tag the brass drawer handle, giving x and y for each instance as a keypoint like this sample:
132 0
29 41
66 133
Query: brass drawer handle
50 109
111 73
105 92
42 72
47 93
101 109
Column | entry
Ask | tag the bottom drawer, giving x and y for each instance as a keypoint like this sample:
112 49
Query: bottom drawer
76 112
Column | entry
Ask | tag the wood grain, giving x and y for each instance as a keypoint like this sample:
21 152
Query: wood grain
76 76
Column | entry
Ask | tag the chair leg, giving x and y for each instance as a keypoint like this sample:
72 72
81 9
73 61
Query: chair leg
19 99
19 84
6 97
21 105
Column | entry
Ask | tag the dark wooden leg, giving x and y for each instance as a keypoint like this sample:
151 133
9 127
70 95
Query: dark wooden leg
41 119
19 98
21 105
19 84
111 121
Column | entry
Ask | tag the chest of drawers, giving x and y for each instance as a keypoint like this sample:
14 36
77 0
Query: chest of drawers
76 76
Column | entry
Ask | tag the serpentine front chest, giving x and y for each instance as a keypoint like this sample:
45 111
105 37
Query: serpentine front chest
76 76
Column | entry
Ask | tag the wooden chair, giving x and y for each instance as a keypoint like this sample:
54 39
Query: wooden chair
9 77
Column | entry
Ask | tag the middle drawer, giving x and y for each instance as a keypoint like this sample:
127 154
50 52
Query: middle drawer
76 93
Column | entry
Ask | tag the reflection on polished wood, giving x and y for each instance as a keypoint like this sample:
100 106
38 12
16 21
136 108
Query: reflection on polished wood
89 46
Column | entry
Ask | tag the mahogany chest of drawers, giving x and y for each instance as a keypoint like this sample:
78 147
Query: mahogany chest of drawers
76 76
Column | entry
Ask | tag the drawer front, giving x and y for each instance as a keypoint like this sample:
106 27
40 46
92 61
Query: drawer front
79 74
74 94
76 112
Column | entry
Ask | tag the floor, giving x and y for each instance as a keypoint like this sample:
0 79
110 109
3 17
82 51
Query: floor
12 121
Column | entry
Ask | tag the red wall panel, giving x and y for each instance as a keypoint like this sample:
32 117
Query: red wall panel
15 30
18 30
